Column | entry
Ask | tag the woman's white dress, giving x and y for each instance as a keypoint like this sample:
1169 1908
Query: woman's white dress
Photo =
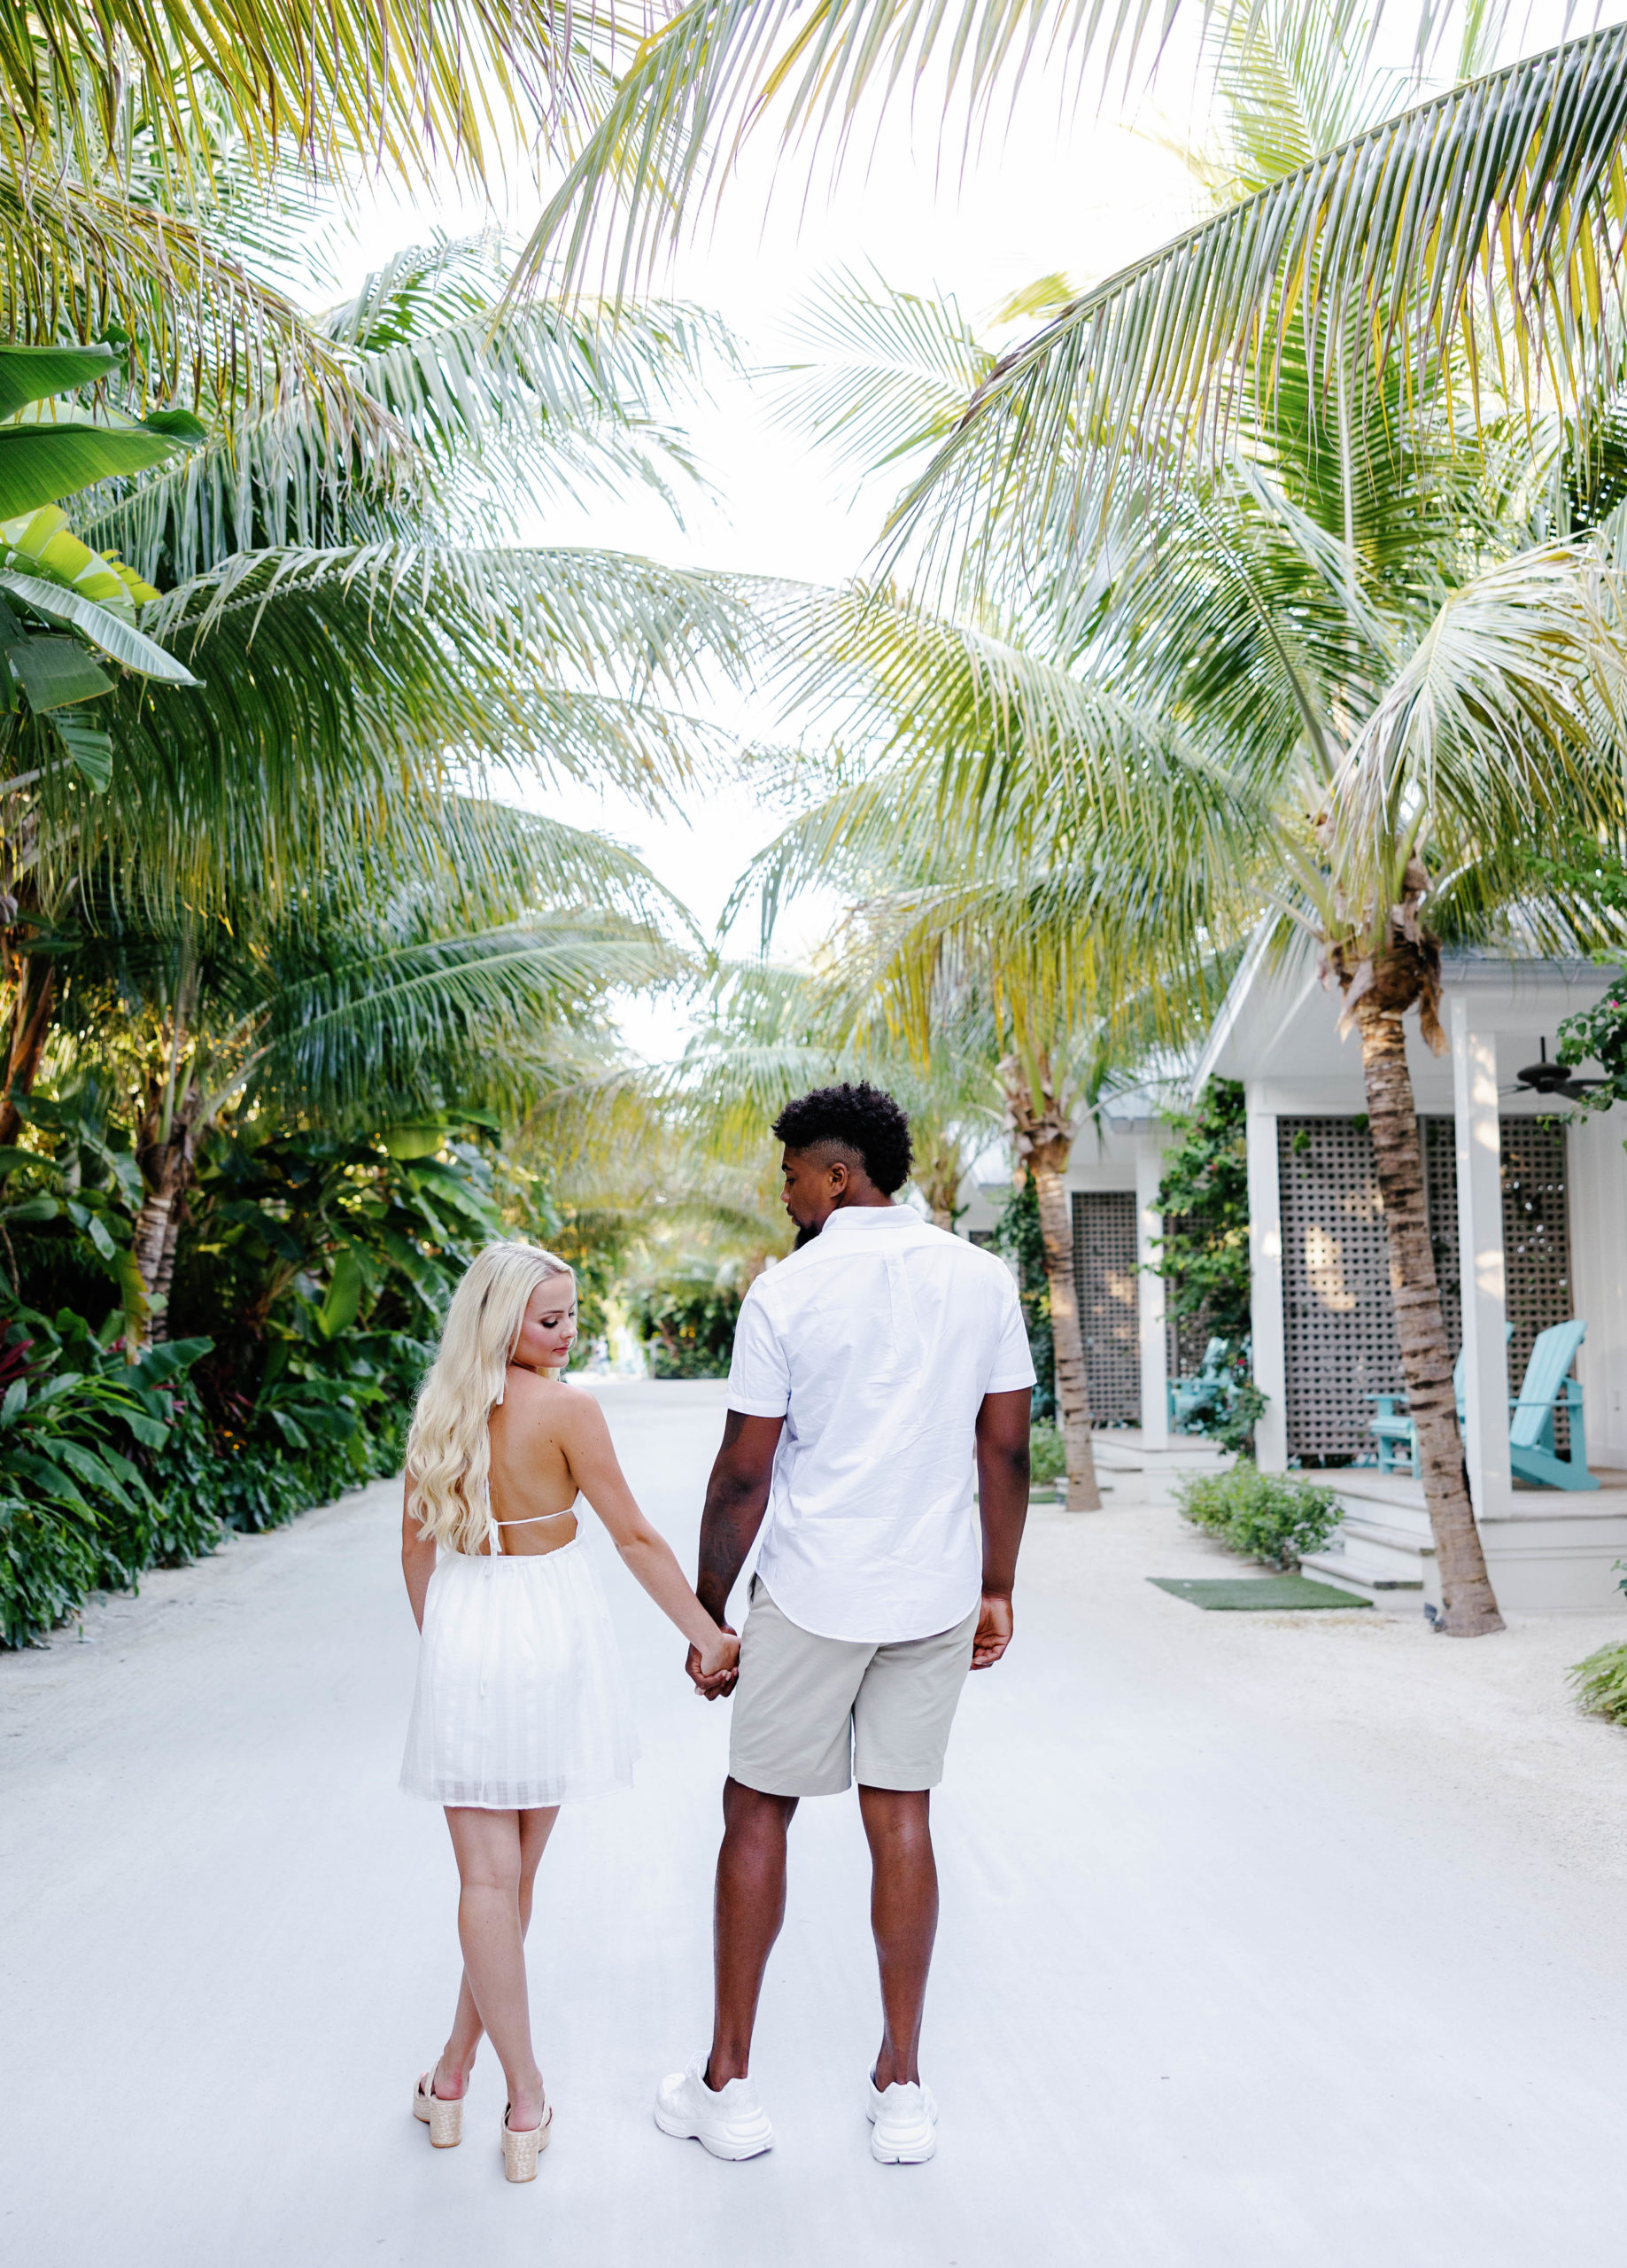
521 1699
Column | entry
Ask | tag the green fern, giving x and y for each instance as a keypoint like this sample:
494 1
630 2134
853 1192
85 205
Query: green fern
1601 1682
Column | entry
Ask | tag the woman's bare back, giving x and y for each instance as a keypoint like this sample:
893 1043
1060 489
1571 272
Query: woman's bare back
533 1486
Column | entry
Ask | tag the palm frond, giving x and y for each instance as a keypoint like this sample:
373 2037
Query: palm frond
889 372
966 750
718 69
410 1019
1508 715
469 423
407 88
1486 217
344 693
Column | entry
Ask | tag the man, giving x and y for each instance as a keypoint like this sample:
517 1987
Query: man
872 1368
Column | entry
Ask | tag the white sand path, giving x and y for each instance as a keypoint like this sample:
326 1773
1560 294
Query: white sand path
1266 1940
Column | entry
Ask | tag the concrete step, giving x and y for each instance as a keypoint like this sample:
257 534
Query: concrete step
1379 1538
1347 1574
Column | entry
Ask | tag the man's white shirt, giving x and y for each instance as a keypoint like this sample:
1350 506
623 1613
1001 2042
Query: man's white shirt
876 1343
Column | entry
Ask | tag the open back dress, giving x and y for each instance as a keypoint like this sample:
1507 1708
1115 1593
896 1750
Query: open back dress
521 1701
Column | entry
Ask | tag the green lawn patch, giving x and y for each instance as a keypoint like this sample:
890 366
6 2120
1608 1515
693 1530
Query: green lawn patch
1250 1594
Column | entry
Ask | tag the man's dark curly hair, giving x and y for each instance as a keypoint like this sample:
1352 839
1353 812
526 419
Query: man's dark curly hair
861 1119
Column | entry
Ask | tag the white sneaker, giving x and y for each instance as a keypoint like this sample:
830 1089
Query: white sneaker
905 2123
731 2123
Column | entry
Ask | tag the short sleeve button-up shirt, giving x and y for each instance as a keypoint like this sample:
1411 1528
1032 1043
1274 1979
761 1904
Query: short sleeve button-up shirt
876 1343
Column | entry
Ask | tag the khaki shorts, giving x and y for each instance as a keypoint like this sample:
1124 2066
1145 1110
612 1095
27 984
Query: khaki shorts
812 1714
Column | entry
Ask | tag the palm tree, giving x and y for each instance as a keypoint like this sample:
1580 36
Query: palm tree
144 150
1365 676
472 986
1484 215
771 1032
374 640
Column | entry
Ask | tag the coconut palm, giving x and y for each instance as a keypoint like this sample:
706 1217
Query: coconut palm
772 1032
365 635
145 149
1384 678
1484 218
476 983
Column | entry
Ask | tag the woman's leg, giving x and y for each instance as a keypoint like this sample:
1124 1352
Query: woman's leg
457 2057
489 1845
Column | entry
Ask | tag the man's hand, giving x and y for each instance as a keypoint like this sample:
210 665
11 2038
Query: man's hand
994 1632
712 1688
1003 1507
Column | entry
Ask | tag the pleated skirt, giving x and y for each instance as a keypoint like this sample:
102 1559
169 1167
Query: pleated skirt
521 1699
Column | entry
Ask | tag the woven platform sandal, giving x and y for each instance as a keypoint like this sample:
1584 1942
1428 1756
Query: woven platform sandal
521 2151
444 2119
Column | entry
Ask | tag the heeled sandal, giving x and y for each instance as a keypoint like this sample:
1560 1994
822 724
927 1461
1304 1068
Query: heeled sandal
443 2117
521 2150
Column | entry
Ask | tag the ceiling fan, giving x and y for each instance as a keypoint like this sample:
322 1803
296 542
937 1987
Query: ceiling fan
1548 1078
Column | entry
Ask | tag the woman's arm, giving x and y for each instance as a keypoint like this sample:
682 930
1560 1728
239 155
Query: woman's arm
417 1556
585 1439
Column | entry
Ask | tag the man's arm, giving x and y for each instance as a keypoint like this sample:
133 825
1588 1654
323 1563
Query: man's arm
736 1499
1003 1501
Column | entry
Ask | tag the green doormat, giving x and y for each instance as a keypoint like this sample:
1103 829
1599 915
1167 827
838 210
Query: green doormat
1240 1594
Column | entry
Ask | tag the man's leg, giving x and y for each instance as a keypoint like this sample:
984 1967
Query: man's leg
750 1907
903 1915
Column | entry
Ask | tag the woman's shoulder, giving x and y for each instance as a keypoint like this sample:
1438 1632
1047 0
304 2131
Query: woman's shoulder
552 1402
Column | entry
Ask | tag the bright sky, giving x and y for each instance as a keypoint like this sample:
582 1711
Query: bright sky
1076 192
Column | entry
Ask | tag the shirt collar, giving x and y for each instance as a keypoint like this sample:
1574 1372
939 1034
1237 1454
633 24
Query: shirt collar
865 1220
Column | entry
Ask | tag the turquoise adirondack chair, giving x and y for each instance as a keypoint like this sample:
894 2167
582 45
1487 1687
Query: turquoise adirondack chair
1393 1430
1531 1452
1189 1393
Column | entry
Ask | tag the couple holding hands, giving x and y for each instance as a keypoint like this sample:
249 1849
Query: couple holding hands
878 1372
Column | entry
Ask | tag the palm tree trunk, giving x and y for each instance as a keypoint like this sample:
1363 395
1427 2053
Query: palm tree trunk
1068 1339
31 1016
937 1176
166 1266
152 1232
166 1165
1469 1607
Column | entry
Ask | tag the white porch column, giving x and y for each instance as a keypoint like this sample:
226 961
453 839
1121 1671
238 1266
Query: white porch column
1480 1260
1266 1329
1150 1302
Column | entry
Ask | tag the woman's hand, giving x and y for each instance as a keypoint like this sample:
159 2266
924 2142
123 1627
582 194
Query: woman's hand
714 1665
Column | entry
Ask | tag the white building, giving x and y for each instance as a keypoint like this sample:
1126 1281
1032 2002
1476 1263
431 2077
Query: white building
1530 1219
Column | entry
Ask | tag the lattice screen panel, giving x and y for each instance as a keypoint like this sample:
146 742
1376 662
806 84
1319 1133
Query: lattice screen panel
1440 1189
1186 1337
1536 1243
1335 1285
1336 1273
1105 1274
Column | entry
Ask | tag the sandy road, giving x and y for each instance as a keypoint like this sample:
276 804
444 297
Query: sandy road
1266 1940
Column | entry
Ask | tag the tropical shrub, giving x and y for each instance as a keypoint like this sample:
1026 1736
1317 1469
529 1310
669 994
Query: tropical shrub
1266 1516
1016 1234
1204 1199
81 1504
1204 1256
311 1286
1047 1455
1601 1682
686 1321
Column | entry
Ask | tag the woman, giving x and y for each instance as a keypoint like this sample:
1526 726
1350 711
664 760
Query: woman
520 1705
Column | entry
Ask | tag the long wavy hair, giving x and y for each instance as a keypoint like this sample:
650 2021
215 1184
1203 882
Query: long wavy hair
449 1449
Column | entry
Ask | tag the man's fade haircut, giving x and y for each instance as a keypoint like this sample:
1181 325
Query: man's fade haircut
861 1119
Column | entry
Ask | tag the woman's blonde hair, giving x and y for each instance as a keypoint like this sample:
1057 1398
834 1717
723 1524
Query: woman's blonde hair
449 1449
